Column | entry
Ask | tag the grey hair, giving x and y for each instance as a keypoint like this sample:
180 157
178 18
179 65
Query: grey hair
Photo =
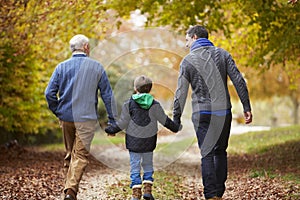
77 42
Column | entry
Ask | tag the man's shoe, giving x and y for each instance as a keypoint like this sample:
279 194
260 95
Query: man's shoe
70 195
215 198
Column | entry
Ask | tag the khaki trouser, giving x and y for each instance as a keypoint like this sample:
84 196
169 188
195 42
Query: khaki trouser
69 130
77 137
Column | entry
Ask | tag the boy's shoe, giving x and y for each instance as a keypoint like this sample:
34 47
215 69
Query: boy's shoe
136 192
148 190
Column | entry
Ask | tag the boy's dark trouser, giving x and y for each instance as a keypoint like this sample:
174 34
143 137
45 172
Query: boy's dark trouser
214 164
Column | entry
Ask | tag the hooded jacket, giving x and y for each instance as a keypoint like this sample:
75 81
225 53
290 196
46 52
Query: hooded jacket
139 118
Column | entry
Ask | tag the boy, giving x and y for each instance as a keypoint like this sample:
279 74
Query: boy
139 117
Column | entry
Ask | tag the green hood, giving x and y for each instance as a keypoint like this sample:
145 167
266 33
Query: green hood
145 100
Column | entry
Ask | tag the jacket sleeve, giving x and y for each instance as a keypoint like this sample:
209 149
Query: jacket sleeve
108 98
165 120
239 83
121 123
52 90
171 125
181 93
124 120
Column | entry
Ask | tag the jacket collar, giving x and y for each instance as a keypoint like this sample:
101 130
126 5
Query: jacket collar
79 54
201 42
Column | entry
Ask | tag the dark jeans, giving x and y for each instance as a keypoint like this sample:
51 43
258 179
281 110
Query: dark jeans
213 163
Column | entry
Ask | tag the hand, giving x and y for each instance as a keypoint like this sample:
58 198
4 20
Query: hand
178 127
110 130
176 120
248 117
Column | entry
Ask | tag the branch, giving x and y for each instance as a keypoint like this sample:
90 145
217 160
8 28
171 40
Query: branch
293 2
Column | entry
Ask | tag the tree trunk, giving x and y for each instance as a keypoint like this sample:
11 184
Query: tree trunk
296 104
296 112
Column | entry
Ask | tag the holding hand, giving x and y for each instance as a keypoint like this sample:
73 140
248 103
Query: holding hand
180 127
111 130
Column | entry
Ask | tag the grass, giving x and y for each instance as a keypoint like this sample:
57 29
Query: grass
52 147
260 142
262 173
174 148
273 153
100 138
292 177
103 139
165 187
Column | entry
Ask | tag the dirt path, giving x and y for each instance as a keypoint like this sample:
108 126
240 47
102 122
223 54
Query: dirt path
28 174
96 180
240 184
95 183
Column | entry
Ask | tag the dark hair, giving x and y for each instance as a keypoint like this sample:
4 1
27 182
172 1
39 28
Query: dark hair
199 31
143 84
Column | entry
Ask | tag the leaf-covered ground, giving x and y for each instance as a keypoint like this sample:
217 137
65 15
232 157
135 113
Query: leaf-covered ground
32 174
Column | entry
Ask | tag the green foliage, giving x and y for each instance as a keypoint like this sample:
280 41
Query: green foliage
19 96
179 14
275 22
277 30
20 99
270 35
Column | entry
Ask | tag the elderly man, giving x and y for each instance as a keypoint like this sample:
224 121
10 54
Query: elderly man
72 95
206 69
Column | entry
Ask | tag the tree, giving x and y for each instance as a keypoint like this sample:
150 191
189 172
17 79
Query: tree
263 35
19 94
272 40
178 14
34 38
131 52
270 65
